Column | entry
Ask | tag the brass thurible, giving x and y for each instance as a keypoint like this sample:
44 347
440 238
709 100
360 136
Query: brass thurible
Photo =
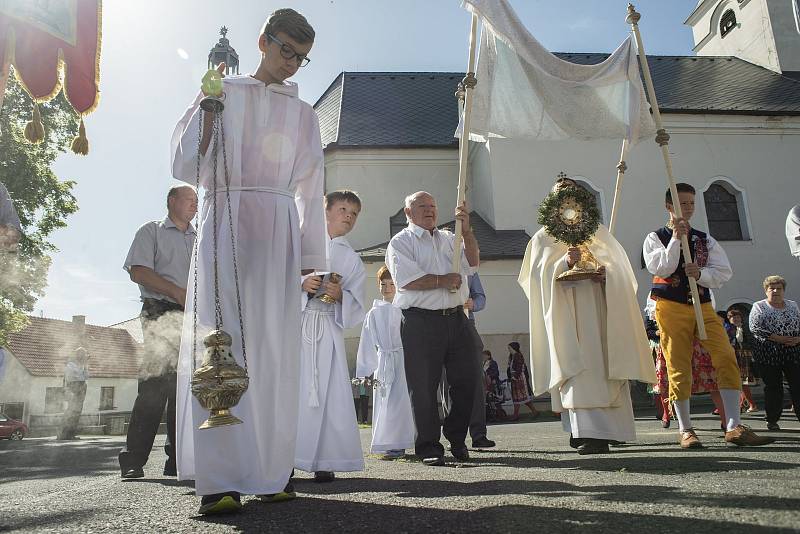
219 383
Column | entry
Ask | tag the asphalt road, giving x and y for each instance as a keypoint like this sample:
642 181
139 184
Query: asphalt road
532 482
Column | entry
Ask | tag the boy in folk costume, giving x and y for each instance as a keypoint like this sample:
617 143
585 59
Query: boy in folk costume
380 351
275 164
327 432
676 319
587 338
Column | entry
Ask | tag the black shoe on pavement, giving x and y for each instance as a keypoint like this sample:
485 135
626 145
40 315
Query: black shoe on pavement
324 476
220 503
170 469
482 443
576 442
593 446
773 426
134 472
433 461
460 452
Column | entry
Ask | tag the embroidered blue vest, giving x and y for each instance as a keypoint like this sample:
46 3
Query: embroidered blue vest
676 286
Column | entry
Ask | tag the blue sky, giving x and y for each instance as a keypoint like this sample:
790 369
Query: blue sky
155 53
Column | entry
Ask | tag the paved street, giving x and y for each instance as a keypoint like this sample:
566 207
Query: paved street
530 483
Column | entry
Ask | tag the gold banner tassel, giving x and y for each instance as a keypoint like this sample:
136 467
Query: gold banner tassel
80 144
34 130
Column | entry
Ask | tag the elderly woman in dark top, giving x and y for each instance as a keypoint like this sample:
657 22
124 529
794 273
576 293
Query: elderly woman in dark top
775 322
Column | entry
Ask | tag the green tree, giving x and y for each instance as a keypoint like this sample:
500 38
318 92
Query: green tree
43 202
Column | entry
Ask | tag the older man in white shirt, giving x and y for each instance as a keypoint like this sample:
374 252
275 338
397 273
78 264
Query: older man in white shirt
435 330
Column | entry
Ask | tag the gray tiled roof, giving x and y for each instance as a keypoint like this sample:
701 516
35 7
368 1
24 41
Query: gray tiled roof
720 85
390 109
418 109
495 244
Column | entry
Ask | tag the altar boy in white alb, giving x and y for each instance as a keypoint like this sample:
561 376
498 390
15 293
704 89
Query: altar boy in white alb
327 432
380 351
276 166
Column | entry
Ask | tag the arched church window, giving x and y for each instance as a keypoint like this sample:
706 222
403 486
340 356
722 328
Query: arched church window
397 222
725 212
727 23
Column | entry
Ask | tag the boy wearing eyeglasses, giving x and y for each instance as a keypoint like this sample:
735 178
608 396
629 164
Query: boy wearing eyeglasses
274 161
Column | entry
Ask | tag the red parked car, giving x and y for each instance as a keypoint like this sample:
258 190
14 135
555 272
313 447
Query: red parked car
11 428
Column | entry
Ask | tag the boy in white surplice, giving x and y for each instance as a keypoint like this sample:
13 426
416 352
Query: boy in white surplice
327 432
380 351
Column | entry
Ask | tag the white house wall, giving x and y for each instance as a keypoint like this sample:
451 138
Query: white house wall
758 154
18 385
384 177
15 384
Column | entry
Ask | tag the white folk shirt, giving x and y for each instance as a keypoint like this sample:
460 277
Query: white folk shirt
415 252
662 261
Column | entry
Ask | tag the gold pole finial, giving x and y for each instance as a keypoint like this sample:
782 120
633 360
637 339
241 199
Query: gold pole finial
633 16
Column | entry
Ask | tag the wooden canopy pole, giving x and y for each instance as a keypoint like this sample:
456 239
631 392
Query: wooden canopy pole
621 168
662 138
463 145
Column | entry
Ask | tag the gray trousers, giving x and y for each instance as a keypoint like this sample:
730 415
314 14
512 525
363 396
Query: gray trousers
431 342
75 393
477 422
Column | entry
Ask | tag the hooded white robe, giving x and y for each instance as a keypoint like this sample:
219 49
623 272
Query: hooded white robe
586 339
275 160
327 430
380 351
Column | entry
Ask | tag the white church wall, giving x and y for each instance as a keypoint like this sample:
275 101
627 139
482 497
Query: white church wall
384 177
786 32
751 40
479 191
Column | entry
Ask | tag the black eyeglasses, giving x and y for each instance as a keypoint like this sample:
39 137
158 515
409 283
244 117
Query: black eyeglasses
287 52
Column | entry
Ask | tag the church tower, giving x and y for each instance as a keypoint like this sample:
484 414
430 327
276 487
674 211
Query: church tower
763 32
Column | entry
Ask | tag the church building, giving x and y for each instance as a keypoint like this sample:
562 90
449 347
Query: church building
732 111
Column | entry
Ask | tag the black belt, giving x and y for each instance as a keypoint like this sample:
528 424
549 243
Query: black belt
446 311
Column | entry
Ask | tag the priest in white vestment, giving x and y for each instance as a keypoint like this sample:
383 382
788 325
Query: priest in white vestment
380 352
327 430
275 162
586 339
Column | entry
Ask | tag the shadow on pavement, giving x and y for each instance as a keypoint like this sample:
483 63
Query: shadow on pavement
52 459
323 515
684 462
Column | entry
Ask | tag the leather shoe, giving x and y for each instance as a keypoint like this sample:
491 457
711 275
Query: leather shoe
170 470
460 453
576 442
773 427
482 443
134 472
689 440
433 461
593 446
744 437
324 476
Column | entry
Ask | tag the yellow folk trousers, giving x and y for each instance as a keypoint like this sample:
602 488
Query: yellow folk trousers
678 329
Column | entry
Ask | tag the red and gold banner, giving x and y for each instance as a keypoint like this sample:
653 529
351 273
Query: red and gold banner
53 43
